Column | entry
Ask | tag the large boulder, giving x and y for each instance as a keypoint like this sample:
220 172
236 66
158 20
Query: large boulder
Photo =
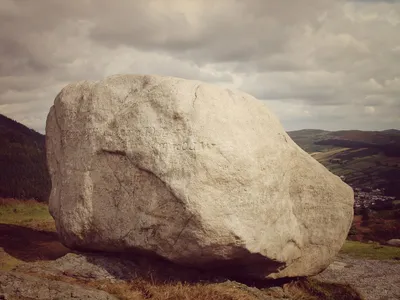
198 174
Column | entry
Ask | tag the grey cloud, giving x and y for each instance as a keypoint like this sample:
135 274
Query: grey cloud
224 32
328 59
299 115
25 28
16 59
374 1
273 63
318 88
19 84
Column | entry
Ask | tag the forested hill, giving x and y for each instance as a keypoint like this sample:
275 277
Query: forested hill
23 169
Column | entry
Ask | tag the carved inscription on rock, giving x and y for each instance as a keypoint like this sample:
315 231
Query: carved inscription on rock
188 144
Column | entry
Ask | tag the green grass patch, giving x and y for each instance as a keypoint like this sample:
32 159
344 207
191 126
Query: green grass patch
370 250
26 213
8 262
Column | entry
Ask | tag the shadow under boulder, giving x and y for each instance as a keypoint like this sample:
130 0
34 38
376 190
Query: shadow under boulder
30 245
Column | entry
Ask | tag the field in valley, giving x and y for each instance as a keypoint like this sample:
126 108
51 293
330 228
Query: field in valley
366 158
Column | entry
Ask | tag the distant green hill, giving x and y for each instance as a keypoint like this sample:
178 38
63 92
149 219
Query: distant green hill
23 169
365 158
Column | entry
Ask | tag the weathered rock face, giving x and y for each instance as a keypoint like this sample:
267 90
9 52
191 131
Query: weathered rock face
198 174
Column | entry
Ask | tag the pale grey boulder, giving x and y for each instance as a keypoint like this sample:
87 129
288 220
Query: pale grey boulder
394 242
198 174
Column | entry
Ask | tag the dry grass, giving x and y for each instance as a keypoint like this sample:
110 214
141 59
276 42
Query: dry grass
311 289
139 289
142 289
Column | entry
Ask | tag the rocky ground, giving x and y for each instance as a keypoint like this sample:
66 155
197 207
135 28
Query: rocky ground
95 276
80 276
35 265
374 279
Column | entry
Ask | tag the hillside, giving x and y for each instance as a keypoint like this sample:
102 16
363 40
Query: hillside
366 159
23 170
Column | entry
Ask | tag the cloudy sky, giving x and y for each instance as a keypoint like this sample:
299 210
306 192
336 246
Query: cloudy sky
328 64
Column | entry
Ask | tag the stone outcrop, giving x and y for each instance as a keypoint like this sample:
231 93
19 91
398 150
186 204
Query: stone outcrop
87 267
198 174
14 285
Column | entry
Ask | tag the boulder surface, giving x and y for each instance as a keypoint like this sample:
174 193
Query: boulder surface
198 174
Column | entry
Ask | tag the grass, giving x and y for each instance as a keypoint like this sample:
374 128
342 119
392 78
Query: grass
327 153
314 289
28 213
370 250
27 234
7 261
